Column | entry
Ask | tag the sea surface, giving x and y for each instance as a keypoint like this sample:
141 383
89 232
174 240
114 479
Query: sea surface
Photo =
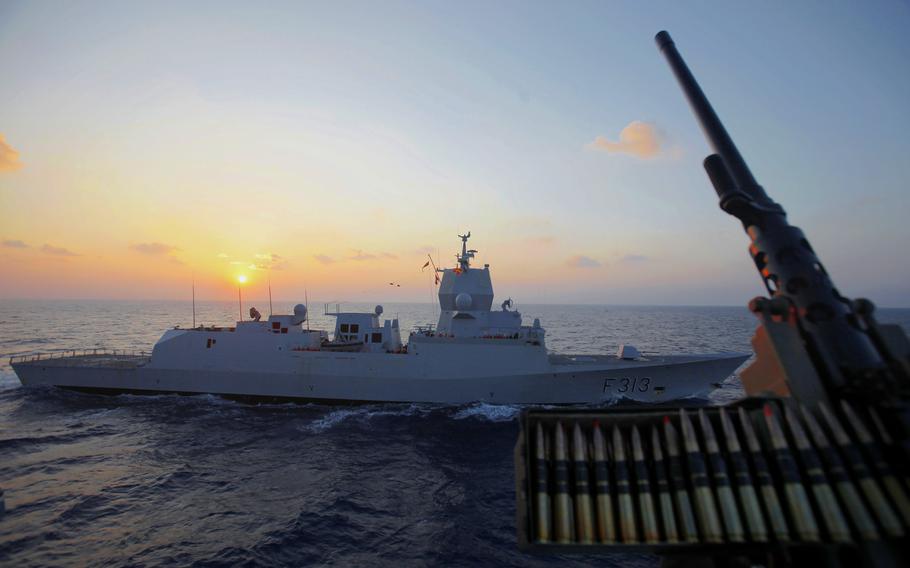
199 481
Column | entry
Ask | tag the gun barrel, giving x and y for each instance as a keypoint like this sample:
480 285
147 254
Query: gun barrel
710 123
843 352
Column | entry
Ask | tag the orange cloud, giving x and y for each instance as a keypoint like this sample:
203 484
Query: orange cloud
640 139
363 256
15 243
270 261
57 251
370 256
153 249
9 157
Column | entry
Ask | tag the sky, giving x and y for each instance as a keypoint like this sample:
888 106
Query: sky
328 147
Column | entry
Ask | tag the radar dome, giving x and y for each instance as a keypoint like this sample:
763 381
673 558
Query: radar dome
299 313
463 301
378 310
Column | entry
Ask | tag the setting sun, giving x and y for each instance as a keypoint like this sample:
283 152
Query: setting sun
242 279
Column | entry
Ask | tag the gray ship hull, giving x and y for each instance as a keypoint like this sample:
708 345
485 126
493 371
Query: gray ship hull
361 378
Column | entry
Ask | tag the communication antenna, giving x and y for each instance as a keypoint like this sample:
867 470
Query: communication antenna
270 294
240 299
194 299
437 307
306 302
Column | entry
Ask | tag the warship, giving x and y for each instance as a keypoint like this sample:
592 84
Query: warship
473 354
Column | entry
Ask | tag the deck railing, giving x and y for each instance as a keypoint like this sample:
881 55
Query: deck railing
70 353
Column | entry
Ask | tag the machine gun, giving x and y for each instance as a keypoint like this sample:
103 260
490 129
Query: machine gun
814 464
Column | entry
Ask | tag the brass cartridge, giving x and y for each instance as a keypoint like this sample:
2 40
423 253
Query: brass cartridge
678 483
765 482
668 518
541 492
606 527
797 499
584 517
892 485
628 530
728 510
705 505
880 506
643 483
563 516
832 516
837 473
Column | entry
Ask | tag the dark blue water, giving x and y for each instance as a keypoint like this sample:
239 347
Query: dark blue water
181 481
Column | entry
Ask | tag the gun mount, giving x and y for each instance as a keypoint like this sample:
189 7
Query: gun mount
822 439
837 339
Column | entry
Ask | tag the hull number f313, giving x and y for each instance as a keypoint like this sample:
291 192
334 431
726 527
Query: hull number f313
627 384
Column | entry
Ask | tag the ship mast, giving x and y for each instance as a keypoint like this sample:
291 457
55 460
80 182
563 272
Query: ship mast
464 259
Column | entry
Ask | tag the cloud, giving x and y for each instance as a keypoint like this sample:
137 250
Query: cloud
324 259
154 249
262 261
363 256
270 261
260 266
634 258
582 261
640 139
57 251
15 244
9 157
360 255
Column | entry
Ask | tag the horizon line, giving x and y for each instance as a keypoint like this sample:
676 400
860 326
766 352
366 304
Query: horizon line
317 302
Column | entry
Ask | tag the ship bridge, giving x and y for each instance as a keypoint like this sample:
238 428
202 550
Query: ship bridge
466 299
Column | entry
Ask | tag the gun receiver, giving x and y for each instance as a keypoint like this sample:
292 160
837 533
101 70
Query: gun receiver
837 338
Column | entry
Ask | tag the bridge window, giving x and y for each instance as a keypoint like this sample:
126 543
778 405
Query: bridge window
354 328
377 338
344 328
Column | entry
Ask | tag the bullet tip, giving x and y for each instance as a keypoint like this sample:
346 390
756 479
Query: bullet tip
666 419
768 411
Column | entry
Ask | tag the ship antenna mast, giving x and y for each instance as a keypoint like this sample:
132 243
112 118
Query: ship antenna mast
464 260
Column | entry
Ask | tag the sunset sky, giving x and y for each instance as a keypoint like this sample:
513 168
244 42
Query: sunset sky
330 146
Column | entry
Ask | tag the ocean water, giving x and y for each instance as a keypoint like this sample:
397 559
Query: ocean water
199 481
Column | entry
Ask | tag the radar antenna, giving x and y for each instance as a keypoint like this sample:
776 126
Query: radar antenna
464 260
